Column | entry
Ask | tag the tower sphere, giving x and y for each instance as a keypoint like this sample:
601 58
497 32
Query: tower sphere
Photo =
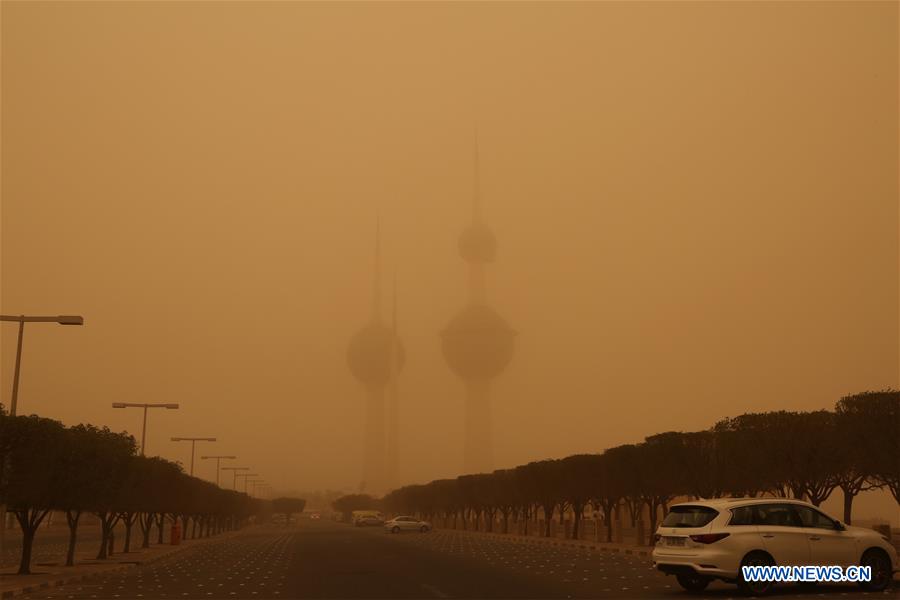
478 244
369 354
478 342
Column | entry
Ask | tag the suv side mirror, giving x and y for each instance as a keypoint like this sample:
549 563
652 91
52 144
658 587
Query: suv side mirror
839 526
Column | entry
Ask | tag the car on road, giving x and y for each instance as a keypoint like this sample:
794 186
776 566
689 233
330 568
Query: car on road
369 521
282 519
315 516
404 523
712 539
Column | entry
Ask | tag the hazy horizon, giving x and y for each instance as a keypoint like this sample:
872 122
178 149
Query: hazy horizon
696 209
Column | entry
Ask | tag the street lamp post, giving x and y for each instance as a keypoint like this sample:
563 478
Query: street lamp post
245 481
235 471
218 461
145 407
253 481
193 441
21 320
13 405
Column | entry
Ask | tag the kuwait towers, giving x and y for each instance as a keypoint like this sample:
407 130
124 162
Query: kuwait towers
375 357
478 342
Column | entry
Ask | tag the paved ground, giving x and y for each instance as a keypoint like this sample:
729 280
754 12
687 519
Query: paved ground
328 560
51 543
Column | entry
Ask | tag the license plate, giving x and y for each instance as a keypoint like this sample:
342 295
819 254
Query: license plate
674 541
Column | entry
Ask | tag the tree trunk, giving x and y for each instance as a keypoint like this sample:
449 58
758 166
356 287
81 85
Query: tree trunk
29 521
548 519
576 521
72 518
653 506
108 522
848 504
27 545
146 522
129 523
104 538
160 524
609 525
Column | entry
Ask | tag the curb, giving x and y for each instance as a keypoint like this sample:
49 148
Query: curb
66 580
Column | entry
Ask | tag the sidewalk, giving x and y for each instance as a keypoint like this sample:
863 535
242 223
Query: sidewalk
47 575
590 544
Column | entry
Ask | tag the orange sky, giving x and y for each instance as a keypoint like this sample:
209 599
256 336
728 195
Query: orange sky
695 203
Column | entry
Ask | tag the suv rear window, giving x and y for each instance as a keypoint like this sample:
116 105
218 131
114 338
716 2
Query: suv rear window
689 516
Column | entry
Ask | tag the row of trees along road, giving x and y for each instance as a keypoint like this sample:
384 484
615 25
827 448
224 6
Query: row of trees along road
46 466
785 454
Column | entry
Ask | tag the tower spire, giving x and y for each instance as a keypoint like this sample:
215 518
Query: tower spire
393 411
476 181
394 307
376 285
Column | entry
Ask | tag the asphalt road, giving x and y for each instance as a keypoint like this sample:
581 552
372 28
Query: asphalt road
328 560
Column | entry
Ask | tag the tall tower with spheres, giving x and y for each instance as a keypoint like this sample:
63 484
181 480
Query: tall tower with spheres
375 356
477 343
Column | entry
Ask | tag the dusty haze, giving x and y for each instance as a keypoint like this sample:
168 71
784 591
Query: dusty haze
695 204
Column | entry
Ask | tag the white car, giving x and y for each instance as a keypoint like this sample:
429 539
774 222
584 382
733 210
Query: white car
712 539
398 524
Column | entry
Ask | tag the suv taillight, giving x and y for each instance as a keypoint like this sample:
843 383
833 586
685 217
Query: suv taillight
709 538
656 538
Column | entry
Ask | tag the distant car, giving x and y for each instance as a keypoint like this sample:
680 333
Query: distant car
368 521
314 516
398 524
712 539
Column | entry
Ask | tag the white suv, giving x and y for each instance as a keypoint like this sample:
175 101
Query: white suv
712 539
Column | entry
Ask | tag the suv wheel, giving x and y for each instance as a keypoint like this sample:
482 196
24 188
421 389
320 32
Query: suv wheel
692 582
395 529
880 564
424 529
755 588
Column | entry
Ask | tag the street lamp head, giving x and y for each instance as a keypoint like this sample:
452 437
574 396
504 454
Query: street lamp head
170 406
118 405
70 320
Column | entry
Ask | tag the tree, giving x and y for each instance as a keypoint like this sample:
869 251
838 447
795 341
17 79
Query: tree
868 434
791 453
110 467
540 481
78 482
30 472
608 488
288 506
351 502
577 484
